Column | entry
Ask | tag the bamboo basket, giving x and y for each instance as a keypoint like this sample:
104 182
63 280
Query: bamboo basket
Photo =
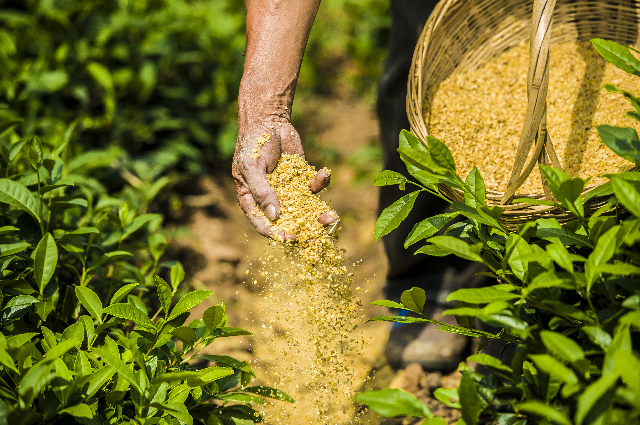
466 34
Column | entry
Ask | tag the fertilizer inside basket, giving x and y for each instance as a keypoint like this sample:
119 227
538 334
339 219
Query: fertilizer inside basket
479 114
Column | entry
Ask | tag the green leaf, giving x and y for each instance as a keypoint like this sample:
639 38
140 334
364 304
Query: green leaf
427 178
445 395
177 409
617 55
421 160
212 318
121 367
207 375
433 250
549 229
413 299
138 222
35 152
177 276
533 201
455 246
400 319
598 336
567 191
437 421
164 294
391 402
623 141
98 379
6 122
475 194
548 412
428 228
189 301
388 178
110 256
481 295
592 394
185 334
561 256
7 361
516 248
59 350
240 398
561 346
441 154
91 302
228 361
635 102
101 74
390 304
130 312
394 214
79 411
157 245
269 392
46 259
554 368
122 292
66 182
17 195
471 401
490 361
627 194
605 247
20 301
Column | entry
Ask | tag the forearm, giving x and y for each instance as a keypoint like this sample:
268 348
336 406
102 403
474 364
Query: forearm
277 33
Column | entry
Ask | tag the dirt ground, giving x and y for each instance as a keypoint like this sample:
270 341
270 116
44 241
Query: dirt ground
220 251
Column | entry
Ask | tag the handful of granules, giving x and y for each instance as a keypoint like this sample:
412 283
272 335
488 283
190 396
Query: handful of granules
300 209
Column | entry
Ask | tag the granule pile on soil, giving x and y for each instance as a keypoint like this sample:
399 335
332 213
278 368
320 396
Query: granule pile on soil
308 294
479 114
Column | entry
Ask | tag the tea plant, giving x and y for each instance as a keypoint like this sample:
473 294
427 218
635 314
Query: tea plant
566 296
89 332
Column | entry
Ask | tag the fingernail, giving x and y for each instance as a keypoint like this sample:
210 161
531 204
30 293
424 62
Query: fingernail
270 211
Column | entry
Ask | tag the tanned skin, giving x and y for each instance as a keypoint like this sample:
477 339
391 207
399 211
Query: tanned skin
277 33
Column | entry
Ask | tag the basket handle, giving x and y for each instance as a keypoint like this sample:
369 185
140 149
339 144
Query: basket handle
534 127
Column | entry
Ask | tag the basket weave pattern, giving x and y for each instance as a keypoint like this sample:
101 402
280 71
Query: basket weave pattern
466 34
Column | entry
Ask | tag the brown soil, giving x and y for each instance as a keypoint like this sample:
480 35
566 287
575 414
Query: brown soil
220 252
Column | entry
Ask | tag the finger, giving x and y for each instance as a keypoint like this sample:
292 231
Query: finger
262 192
249 207
321 180
328 217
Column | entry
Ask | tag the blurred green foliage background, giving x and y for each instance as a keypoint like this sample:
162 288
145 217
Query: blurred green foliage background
154 83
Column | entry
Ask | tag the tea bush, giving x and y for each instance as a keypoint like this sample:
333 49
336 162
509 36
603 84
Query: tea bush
89 332
159 74
566 297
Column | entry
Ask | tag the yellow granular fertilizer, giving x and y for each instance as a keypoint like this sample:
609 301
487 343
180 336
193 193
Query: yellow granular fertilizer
479 114
260 141
308 293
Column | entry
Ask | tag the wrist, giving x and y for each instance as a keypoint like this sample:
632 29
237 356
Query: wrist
261 102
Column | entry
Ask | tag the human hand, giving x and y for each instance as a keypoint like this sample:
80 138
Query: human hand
258 149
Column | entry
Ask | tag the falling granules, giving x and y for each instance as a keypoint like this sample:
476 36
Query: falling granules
479 114
312 308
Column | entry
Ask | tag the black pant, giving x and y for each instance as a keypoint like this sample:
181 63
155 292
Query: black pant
436 275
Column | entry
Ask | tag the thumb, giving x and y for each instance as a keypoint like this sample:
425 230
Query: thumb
263 194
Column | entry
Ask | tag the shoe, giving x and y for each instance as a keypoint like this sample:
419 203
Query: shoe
421 343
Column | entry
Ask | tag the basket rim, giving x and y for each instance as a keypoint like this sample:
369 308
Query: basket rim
415 100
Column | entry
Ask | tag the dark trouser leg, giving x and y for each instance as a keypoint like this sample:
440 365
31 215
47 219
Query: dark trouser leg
437 275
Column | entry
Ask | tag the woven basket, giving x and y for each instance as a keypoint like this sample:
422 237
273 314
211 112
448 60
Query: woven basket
466 34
